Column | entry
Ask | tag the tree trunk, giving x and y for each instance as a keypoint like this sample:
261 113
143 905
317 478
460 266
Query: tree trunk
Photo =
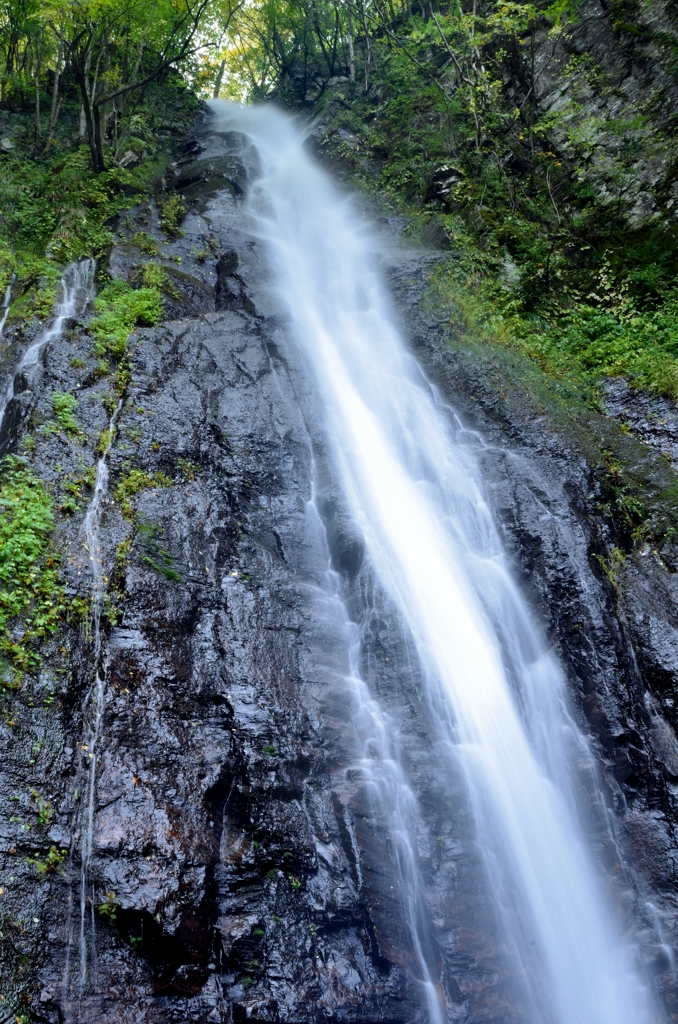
219 80
92 126
37 99
351 52
56 91
368 45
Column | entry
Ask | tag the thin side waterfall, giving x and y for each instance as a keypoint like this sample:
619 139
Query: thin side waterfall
5 304
77 289
94 702
415 492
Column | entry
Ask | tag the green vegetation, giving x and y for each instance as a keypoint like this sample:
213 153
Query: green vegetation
119 309
109 907
134 481
564 246
43 808
32 602
188 470
51 864
105 54
87 92
64 406
598 335
146 243
172 212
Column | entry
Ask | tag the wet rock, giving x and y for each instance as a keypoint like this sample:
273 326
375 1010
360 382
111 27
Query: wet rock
653 418
229 292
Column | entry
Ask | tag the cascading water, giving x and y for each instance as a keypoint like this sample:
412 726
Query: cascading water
414 491
380 765
77 284
94 701
5 305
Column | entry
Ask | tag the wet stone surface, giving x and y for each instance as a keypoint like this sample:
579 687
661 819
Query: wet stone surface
240 869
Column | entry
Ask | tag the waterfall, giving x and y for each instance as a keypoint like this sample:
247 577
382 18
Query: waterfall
77 289
379 766
415 492
94 702
5 304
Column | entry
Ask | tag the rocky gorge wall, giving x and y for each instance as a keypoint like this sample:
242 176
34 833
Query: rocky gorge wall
239 869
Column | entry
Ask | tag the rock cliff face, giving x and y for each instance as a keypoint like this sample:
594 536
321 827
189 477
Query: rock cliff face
239 870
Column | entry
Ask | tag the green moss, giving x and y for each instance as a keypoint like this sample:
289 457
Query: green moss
119 309
64 405
135 481
150 551
146 243
51 864
172 212
32 602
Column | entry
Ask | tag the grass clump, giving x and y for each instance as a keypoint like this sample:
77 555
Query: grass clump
172 212
154 275
152 553
31 597
146 243
119 309
64 406
52 862
135 481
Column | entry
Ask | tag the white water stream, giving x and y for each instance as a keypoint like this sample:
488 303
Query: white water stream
5 305
94 701
416 495
77 289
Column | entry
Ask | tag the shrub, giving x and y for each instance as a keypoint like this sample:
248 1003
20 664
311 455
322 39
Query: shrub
31 598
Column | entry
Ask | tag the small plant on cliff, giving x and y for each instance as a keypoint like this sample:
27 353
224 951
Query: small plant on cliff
146 243
51 864
43 808
188 470
31 598
611 565
109 907
64 405
119 310
154 275
133 482
172 212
